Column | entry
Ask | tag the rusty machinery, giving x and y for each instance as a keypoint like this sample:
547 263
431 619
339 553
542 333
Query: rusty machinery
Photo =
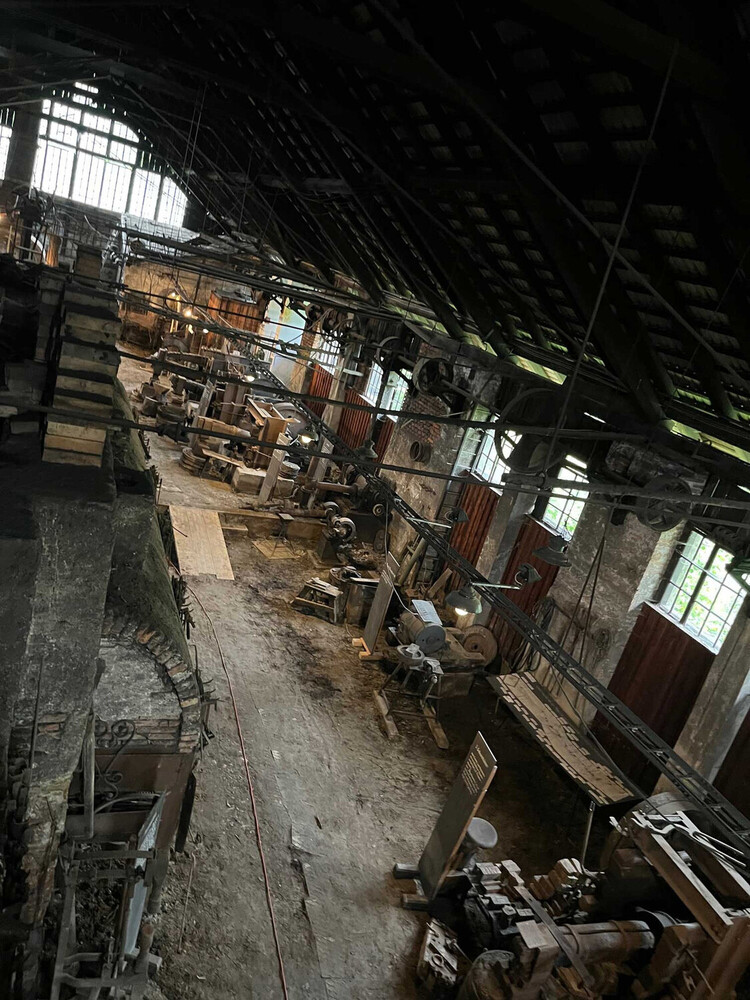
667 915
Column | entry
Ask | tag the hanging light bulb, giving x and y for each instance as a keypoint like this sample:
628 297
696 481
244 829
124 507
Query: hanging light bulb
464 601
187 312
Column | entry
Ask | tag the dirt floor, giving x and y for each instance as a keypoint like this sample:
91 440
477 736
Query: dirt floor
338 803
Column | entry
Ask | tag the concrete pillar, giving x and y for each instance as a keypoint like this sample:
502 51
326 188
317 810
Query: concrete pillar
722 704
19 169
632 568
509 518
23 146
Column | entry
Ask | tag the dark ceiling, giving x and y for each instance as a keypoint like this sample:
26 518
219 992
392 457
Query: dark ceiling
477 156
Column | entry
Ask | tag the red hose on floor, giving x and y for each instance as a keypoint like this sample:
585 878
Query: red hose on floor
251 790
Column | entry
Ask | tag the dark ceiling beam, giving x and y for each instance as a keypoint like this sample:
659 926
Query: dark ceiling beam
581 265
638 41
699 359
28 36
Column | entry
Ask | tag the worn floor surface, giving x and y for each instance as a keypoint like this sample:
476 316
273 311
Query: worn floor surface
338 803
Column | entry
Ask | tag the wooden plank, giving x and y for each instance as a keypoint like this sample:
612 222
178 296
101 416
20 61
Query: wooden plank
391 729
438 733
526 699
200 544
62 443
80 431
70 458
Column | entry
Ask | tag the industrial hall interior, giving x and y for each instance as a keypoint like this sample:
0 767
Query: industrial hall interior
375 478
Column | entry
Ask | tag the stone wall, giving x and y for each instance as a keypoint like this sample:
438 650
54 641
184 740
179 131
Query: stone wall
634 561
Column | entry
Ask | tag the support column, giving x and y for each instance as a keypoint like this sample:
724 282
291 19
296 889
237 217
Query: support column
23 145
722 704
509 519
20 168
332 417
633 565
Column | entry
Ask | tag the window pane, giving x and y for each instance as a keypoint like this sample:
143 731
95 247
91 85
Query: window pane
681 602
145 196
122 131
87 182
564 510
720 564
66 113
5 133
708 591
680 572
712 629
115 186
63 133
121 151
97 122
93 143
704 552
57 170
668 597
696 617
374 379
172 205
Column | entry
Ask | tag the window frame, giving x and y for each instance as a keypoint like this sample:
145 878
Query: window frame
667 606
374 381
394 393
106 149
564 505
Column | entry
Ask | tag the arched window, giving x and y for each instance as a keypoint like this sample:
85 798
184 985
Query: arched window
90 157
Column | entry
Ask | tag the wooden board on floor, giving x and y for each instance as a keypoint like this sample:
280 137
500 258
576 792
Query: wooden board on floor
201 548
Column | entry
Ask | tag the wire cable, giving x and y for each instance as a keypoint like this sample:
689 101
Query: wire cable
251 791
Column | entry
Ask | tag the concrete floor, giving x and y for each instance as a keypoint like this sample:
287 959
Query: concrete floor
338 803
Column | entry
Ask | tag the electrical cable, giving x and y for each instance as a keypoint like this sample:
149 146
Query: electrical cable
251 791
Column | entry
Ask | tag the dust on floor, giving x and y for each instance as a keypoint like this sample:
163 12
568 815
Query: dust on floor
338 803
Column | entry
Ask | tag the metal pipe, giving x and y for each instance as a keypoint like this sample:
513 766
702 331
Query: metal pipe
610 941
587 832
89 777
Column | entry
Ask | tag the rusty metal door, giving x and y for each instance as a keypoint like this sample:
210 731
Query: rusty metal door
354 427
320 385
659 676
532 535
480 502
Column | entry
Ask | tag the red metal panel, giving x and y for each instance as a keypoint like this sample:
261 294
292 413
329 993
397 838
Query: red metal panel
354 427
733 779
468 538
532 535
659 676
320 385
383 436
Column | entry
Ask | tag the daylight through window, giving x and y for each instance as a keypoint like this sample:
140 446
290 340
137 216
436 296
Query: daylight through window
92 158
564 510
700 593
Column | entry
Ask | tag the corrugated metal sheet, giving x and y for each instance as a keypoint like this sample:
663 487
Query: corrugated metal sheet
479 502
320 385
532 536
354 428
659 676
239 313
383 435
